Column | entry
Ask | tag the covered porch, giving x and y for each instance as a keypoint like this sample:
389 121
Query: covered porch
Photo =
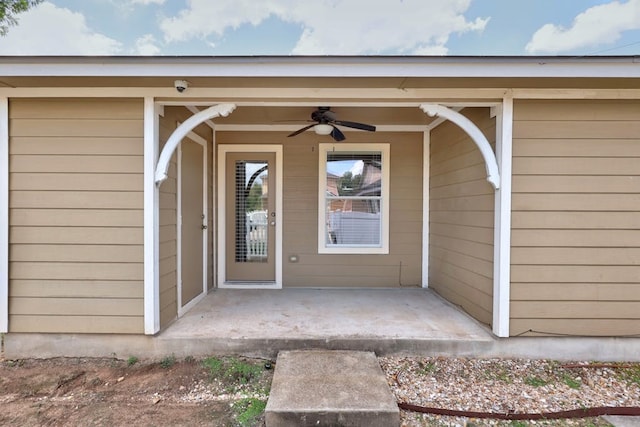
406 134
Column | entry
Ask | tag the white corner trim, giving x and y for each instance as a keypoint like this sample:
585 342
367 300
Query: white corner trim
4 215
502 221
493 175
151 221
426 151
165 157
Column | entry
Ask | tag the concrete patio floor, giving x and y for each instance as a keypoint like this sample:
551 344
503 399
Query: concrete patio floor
387 321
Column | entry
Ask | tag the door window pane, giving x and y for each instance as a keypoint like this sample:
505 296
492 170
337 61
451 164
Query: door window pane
252 193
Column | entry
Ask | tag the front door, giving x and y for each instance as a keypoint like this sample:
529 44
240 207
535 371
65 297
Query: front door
250 218
192 202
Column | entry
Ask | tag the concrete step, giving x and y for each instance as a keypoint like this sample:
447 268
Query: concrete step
330 388
622 421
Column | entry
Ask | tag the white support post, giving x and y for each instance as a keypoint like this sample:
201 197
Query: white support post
502 221
4 215
426 158
151 221
214 209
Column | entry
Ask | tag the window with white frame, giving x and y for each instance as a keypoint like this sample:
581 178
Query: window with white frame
353 214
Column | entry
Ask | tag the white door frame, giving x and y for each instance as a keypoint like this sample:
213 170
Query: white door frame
203 142
223 149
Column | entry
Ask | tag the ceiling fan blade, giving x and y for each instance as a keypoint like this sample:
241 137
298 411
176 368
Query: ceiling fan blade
337 134
355 125
299 131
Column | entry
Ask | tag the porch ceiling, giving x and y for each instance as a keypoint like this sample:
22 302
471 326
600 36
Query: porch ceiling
301 115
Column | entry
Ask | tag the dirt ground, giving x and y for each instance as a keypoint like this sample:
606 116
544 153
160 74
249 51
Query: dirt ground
101 392
232 391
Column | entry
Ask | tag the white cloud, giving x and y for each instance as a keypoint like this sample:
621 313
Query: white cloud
147 46
50 30
340 27
436 50
598 25
146 2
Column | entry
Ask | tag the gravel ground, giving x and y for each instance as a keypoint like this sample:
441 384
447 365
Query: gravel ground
508 386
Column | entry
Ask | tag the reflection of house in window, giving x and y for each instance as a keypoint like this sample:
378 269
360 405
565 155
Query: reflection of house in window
251 234
264 197
257 222
353 199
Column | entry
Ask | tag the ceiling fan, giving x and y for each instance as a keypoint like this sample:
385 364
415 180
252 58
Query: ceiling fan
326 123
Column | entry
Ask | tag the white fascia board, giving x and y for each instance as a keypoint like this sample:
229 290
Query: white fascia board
356 66
4 215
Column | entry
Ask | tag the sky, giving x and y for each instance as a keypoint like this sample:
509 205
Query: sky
327 27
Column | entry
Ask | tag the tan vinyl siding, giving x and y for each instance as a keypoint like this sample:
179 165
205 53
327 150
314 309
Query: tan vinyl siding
576 228
461 217
401 267
168 228
76 215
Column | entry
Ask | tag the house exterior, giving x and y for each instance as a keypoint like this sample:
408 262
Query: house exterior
509 185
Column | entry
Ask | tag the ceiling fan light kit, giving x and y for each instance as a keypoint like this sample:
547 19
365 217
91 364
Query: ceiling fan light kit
326 124
323 129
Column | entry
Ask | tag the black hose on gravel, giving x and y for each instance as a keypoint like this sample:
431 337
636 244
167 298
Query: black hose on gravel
573 413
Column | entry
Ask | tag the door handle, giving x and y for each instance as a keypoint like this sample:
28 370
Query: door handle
203 227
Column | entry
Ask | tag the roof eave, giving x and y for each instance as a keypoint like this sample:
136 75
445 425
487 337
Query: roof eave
322 66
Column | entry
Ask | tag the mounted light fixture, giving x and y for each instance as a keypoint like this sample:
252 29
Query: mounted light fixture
323 129
327 124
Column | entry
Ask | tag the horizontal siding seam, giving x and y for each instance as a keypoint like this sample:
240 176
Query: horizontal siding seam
459 253
462 281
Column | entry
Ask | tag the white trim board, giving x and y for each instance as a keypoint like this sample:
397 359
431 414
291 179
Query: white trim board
426 165
151 220
183 309
214 210
291 128
502 221
311 96
4 215
223 149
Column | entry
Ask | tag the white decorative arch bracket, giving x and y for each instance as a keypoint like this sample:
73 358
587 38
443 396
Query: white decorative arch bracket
491 164
219 110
